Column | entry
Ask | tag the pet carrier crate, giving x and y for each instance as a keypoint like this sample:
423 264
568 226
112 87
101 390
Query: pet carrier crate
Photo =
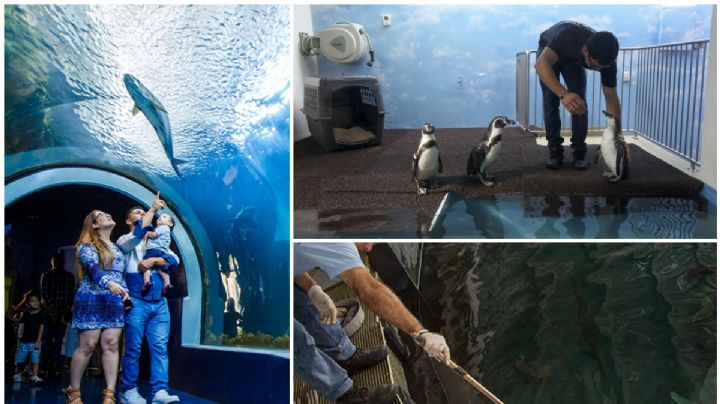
344 112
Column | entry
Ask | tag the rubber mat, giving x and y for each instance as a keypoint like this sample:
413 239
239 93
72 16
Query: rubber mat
379 178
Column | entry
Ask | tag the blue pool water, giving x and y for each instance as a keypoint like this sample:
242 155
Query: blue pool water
572 322
221 73
523 217
577 217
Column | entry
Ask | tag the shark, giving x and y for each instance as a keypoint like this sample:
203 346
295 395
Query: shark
156 114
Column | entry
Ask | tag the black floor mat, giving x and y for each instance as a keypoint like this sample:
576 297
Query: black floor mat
379 177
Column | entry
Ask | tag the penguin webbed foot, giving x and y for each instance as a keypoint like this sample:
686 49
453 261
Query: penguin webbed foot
422 187
611 177
487 179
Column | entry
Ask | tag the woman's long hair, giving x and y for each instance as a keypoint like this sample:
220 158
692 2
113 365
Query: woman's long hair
90 235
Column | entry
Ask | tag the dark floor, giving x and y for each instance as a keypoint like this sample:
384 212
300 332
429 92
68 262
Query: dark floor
378 179
49 391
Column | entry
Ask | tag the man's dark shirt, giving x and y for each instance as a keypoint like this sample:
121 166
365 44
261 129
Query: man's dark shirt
31 329
567 38
57 288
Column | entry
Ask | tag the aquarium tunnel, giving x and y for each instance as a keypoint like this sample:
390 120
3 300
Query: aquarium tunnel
220 162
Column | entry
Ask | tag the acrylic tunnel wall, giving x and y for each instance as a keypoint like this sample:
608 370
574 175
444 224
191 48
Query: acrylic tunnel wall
72 145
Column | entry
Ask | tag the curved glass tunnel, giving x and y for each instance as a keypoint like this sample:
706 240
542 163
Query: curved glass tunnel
73 145
562 322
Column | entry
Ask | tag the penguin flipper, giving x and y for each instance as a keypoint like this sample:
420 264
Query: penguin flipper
471 164
416 158
440 164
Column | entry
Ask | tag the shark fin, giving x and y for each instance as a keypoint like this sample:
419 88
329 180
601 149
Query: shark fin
135 110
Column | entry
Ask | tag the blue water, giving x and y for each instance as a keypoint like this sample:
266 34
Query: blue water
581 217
221 73
523 217
572 322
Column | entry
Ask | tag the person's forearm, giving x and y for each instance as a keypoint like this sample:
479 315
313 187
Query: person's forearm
383 302
612 103
304 281
547 75
148 217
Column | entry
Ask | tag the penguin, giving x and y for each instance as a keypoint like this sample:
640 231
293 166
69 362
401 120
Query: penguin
487 151
426 160
614 151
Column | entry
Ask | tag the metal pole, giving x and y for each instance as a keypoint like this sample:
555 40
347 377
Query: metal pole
700 107
697 68
662 95
622 83
669 96
536 85
640 83
632 75
656 93
676 98
683 116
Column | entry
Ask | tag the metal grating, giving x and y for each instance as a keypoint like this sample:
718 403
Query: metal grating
310 100
369 335
367 96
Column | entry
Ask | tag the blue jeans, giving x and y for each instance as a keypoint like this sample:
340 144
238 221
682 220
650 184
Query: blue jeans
317 369
317 347
150 320
331 339
576 81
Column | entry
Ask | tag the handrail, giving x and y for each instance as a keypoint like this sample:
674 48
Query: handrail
660 89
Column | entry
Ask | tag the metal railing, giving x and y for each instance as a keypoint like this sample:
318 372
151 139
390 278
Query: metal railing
660 88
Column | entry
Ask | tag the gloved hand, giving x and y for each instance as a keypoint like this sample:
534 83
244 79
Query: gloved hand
324 304
434 345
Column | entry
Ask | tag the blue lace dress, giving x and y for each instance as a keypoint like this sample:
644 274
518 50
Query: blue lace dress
94 306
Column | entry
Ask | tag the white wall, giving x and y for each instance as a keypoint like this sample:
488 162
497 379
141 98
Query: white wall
708 170
303 66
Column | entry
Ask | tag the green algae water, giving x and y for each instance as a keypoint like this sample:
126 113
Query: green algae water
570 322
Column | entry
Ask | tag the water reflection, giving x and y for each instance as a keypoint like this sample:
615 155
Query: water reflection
578 217
570 323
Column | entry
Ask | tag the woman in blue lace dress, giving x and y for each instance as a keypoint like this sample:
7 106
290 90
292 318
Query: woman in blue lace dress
98 311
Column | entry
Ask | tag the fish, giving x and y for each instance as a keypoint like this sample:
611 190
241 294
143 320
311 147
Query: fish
530 372
156 114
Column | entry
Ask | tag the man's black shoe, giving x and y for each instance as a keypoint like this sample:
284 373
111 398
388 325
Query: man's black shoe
579 159
364 358
383 394
553 163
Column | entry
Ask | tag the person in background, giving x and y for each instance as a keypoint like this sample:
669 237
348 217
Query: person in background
231 319
30 331
57 290
568 48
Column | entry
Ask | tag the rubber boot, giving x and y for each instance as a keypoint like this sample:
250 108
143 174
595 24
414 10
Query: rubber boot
556 157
